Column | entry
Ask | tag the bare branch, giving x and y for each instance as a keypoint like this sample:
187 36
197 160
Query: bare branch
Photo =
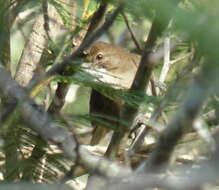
33 48
166 64
131 32
180 58
36 44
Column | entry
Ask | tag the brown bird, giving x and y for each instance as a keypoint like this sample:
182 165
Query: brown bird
120 67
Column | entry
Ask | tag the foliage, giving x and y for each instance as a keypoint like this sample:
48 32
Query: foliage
191 27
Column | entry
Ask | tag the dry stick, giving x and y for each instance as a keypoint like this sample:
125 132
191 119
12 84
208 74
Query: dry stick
131 32
62 88
33 48
181 58
138 140
140 82
60 67
166 64
153 86
20 28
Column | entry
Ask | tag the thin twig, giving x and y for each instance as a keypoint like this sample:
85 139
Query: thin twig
131 32
181 58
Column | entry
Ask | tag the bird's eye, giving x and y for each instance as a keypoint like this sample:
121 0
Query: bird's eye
99 57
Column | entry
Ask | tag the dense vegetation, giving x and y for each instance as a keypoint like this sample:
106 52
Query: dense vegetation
168 125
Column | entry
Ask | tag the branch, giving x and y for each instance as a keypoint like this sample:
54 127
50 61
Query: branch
27 186
34 48
37 119
140 82
166 64
97 18
181 58
5 53
131 32
184 178
183 119
60 67
41 122
62 89
158 111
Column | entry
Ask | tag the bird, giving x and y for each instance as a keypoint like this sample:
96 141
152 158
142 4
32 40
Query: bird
120 67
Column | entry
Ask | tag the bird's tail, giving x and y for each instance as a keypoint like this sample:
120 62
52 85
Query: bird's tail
98 134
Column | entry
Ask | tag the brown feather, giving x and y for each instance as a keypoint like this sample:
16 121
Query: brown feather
121 64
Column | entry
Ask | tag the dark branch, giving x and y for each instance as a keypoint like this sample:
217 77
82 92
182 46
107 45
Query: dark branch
131 32
140 82
97 18
62 89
